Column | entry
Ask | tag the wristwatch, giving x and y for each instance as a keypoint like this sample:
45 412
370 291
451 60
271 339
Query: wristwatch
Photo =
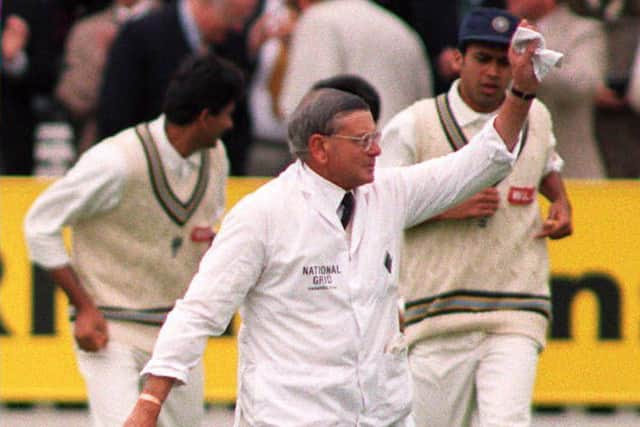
522 95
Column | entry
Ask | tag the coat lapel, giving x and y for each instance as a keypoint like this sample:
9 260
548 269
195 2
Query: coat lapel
315 198
359 218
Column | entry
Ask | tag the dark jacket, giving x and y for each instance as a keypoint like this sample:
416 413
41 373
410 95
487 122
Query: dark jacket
144 56
17 115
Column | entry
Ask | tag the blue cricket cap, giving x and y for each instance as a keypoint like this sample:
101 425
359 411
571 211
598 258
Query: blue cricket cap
488 25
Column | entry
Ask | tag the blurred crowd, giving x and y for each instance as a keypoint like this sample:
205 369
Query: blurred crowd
77 71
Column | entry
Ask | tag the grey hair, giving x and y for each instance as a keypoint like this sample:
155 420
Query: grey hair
317 113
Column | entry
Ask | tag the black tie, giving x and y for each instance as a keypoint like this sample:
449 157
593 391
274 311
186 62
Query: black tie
347 209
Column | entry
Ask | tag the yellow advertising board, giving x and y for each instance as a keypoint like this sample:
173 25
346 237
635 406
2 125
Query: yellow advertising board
594 345
593 355
36 356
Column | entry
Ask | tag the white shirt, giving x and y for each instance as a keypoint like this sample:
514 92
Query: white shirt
319 343
124 13
266 125
190 28
633 91
399 137
356 37
94 185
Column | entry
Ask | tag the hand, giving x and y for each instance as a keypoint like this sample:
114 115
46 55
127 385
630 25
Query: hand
278 24
558 223
14 37
105 36
480 205
608 99
144 414
90 329
203 235
281 23
523 76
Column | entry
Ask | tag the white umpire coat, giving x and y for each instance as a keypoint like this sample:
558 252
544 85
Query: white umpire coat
319 343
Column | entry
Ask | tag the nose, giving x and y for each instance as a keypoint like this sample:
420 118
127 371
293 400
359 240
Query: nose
493 69
375 150
229 124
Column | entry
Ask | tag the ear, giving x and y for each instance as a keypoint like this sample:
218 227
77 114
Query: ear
203 116
317 149
458 59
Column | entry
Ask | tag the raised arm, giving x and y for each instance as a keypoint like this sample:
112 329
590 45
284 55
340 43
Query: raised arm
514 110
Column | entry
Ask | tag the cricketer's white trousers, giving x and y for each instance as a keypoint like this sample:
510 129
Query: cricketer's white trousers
112 378
473 379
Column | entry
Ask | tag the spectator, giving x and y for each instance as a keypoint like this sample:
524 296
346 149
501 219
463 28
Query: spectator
64 14
617 125
570 93
27 69
357 37
437 23
148 50
634 83
608 10
269 153
85 54
141 205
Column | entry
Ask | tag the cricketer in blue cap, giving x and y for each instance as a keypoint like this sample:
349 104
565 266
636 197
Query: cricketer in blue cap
482 58
473 360
489 25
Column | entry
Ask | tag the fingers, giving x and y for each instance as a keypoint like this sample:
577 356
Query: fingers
560 213
90 330
547 228
92 342
17 26
555 229
488 197
91 339
490 193
523 75
562 230
15 22
14 37
526 24
483 204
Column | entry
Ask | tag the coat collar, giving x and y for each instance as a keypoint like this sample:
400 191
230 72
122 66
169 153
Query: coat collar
325 197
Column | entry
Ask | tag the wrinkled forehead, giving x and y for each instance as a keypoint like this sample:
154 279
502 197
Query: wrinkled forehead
357 121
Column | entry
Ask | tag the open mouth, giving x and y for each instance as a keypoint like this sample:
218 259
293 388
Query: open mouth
489 89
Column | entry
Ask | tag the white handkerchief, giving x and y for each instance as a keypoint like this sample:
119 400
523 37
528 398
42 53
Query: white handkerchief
543 59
